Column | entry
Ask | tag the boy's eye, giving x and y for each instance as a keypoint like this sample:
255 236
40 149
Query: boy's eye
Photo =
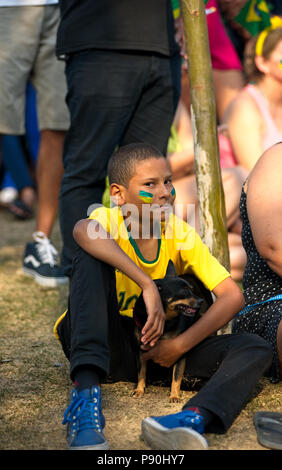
149 184
168 181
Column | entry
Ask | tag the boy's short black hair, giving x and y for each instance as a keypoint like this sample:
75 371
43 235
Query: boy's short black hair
121 165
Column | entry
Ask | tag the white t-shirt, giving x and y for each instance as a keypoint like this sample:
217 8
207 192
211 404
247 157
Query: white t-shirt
21 3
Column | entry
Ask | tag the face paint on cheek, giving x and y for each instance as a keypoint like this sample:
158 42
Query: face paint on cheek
280 64
145 197
173 193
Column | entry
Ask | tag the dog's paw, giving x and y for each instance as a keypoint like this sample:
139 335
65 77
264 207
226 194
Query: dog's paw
138 393
174 399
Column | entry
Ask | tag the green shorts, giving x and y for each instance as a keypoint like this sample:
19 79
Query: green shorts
27 52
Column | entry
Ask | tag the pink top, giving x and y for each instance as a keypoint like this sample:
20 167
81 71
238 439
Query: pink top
272 135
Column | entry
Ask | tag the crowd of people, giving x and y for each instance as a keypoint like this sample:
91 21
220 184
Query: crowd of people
95 98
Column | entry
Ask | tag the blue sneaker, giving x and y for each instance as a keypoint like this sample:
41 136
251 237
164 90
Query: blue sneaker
40 262
85 421
179 431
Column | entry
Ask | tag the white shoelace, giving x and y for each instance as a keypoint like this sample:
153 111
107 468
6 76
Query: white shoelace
46 251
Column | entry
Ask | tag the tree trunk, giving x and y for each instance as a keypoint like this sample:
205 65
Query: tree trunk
212 213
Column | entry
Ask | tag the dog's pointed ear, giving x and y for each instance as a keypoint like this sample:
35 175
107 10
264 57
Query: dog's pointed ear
170 270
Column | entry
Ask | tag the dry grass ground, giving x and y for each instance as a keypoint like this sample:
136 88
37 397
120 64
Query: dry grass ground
34 381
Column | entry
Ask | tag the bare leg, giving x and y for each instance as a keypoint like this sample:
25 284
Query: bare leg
40 256
28 196
232 180
49 174
237 255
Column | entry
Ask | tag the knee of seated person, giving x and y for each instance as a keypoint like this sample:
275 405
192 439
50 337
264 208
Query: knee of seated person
259 345
230 179
85 261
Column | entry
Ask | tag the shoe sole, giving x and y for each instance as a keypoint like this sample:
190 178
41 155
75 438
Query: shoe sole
158 437
268 426
104 446
45 281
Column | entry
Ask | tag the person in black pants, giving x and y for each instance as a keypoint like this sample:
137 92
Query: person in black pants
95 331
123 69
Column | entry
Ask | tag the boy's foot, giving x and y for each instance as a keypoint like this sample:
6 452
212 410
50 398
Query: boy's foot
85 421
40 262
179 431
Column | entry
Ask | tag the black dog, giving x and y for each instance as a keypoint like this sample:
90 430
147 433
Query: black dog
184 300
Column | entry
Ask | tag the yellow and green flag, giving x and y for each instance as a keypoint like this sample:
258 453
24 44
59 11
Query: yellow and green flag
175 8
254 16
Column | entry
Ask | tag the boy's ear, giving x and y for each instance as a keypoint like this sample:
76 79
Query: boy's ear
117 194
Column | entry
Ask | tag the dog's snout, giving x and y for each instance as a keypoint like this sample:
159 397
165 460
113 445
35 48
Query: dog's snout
196 302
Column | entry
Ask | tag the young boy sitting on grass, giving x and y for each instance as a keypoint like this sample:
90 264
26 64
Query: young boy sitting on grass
120 251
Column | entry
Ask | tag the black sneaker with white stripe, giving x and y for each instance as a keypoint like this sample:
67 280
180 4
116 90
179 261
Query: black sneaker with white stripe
40 262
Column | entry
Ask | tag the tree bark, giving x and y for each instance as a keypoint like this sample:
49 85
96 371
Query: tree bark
212 213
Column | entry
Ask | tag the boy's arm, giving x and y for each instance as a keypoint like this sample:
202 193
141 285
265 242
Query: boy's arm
229 301
96 241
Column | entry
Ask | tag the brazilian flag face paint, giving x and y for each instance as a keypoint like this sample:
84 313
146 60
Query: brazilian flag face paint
146 197
280 64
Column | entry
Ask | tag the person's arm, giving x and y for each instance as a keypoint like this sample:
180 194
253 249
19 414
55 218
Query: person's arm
264 205
91 236
229 301
245 127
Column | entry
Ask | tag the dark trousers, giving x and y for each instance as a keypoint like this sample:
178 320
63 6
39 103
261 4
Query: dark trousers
15 161
114 98
100 337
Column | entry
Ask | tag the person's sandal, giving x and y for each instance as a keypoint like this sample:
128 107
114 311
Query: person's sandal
268 425
20 210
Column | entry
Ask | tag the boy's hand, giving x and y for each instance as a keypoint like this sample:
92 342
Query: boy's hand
154 326
165 352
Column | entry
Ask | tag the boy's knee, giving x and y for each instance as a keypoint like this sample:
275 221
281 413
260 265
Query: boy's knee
84 260
258 347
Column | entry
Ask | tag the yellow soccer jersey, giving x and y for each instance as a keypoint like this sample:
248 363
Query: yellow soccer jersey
178 241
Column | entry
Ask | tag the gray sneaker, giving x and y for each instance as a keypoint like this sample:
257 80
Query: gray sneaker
40 262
